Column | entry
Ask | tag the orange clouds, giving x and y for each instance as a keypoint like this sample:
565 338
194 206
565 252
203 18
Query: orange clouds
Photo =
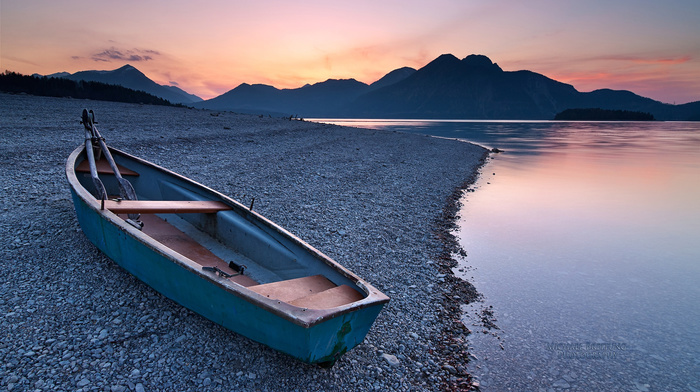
668 79
649 60
129 55
663 61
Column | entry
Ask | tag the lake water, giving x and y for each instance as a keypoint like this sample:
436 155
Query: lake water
584 238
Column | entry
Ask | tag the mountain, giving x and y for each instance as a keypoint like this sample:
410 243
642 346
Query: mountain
689 111
477 88
471 88
49 86
183 95
318 99
130 77
392 77
56 75
323 99
245 97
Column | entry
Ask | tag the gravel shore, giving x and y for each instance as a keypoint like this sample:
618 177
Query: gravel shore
380 203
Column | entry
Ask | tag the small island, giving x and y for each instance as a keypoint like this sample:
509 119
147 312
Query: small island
597 114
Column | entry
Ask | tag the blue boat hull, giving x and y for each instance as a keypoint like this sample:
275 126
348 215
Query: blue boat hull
310 335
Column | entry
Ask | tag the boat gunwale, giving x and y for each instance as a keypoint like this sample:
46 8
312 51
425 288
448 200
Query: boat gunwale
305 317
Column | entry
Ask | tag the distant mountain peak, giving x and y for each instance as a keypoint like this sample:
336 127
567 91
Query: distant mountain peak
444 59
445 63
336 82
130 69
55 75
404 70
393 77
130 77
254 87
479 61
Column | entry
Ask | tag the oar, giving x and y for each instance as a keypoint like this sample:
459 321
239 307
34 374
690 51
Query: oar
126 190
101 192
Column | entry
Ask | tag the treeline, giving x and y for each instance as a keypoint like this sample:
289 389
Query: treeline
13 82
596 114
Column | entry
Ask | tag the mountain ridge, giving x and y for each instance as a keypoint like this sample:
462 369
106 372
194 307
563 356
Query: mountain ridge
447 87
130 77
473 87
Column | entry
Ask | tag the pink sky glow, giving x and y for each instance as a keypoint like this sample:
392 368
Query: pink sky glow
207 48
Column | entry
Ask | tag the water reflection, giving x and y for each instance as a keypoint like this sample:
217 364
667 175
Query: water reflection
591 236
538 137
583 233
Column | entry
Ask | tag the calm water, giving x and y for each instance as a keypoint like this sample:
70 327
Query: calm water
585 240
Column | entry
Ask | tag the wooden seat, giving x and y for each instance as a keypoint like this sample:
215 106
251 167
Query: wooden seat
103 167
313 292
336 296
173 238
165 206
292 289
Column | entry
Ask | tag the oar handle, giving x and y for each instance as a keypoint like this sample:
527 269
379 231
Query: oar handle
93 138
88 120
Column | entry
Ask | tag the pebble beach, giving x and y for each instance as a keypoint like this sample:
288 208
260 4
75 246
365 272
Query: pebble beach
383 204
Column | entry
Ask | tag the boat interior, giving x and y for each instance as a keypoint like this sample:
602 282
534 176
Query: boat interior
222 240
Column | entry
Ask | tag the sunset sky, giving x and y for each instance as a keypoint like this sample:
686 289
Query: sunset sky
209 47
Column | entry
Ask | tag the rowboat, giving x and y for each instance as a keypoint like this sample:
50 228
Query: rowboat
216 256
